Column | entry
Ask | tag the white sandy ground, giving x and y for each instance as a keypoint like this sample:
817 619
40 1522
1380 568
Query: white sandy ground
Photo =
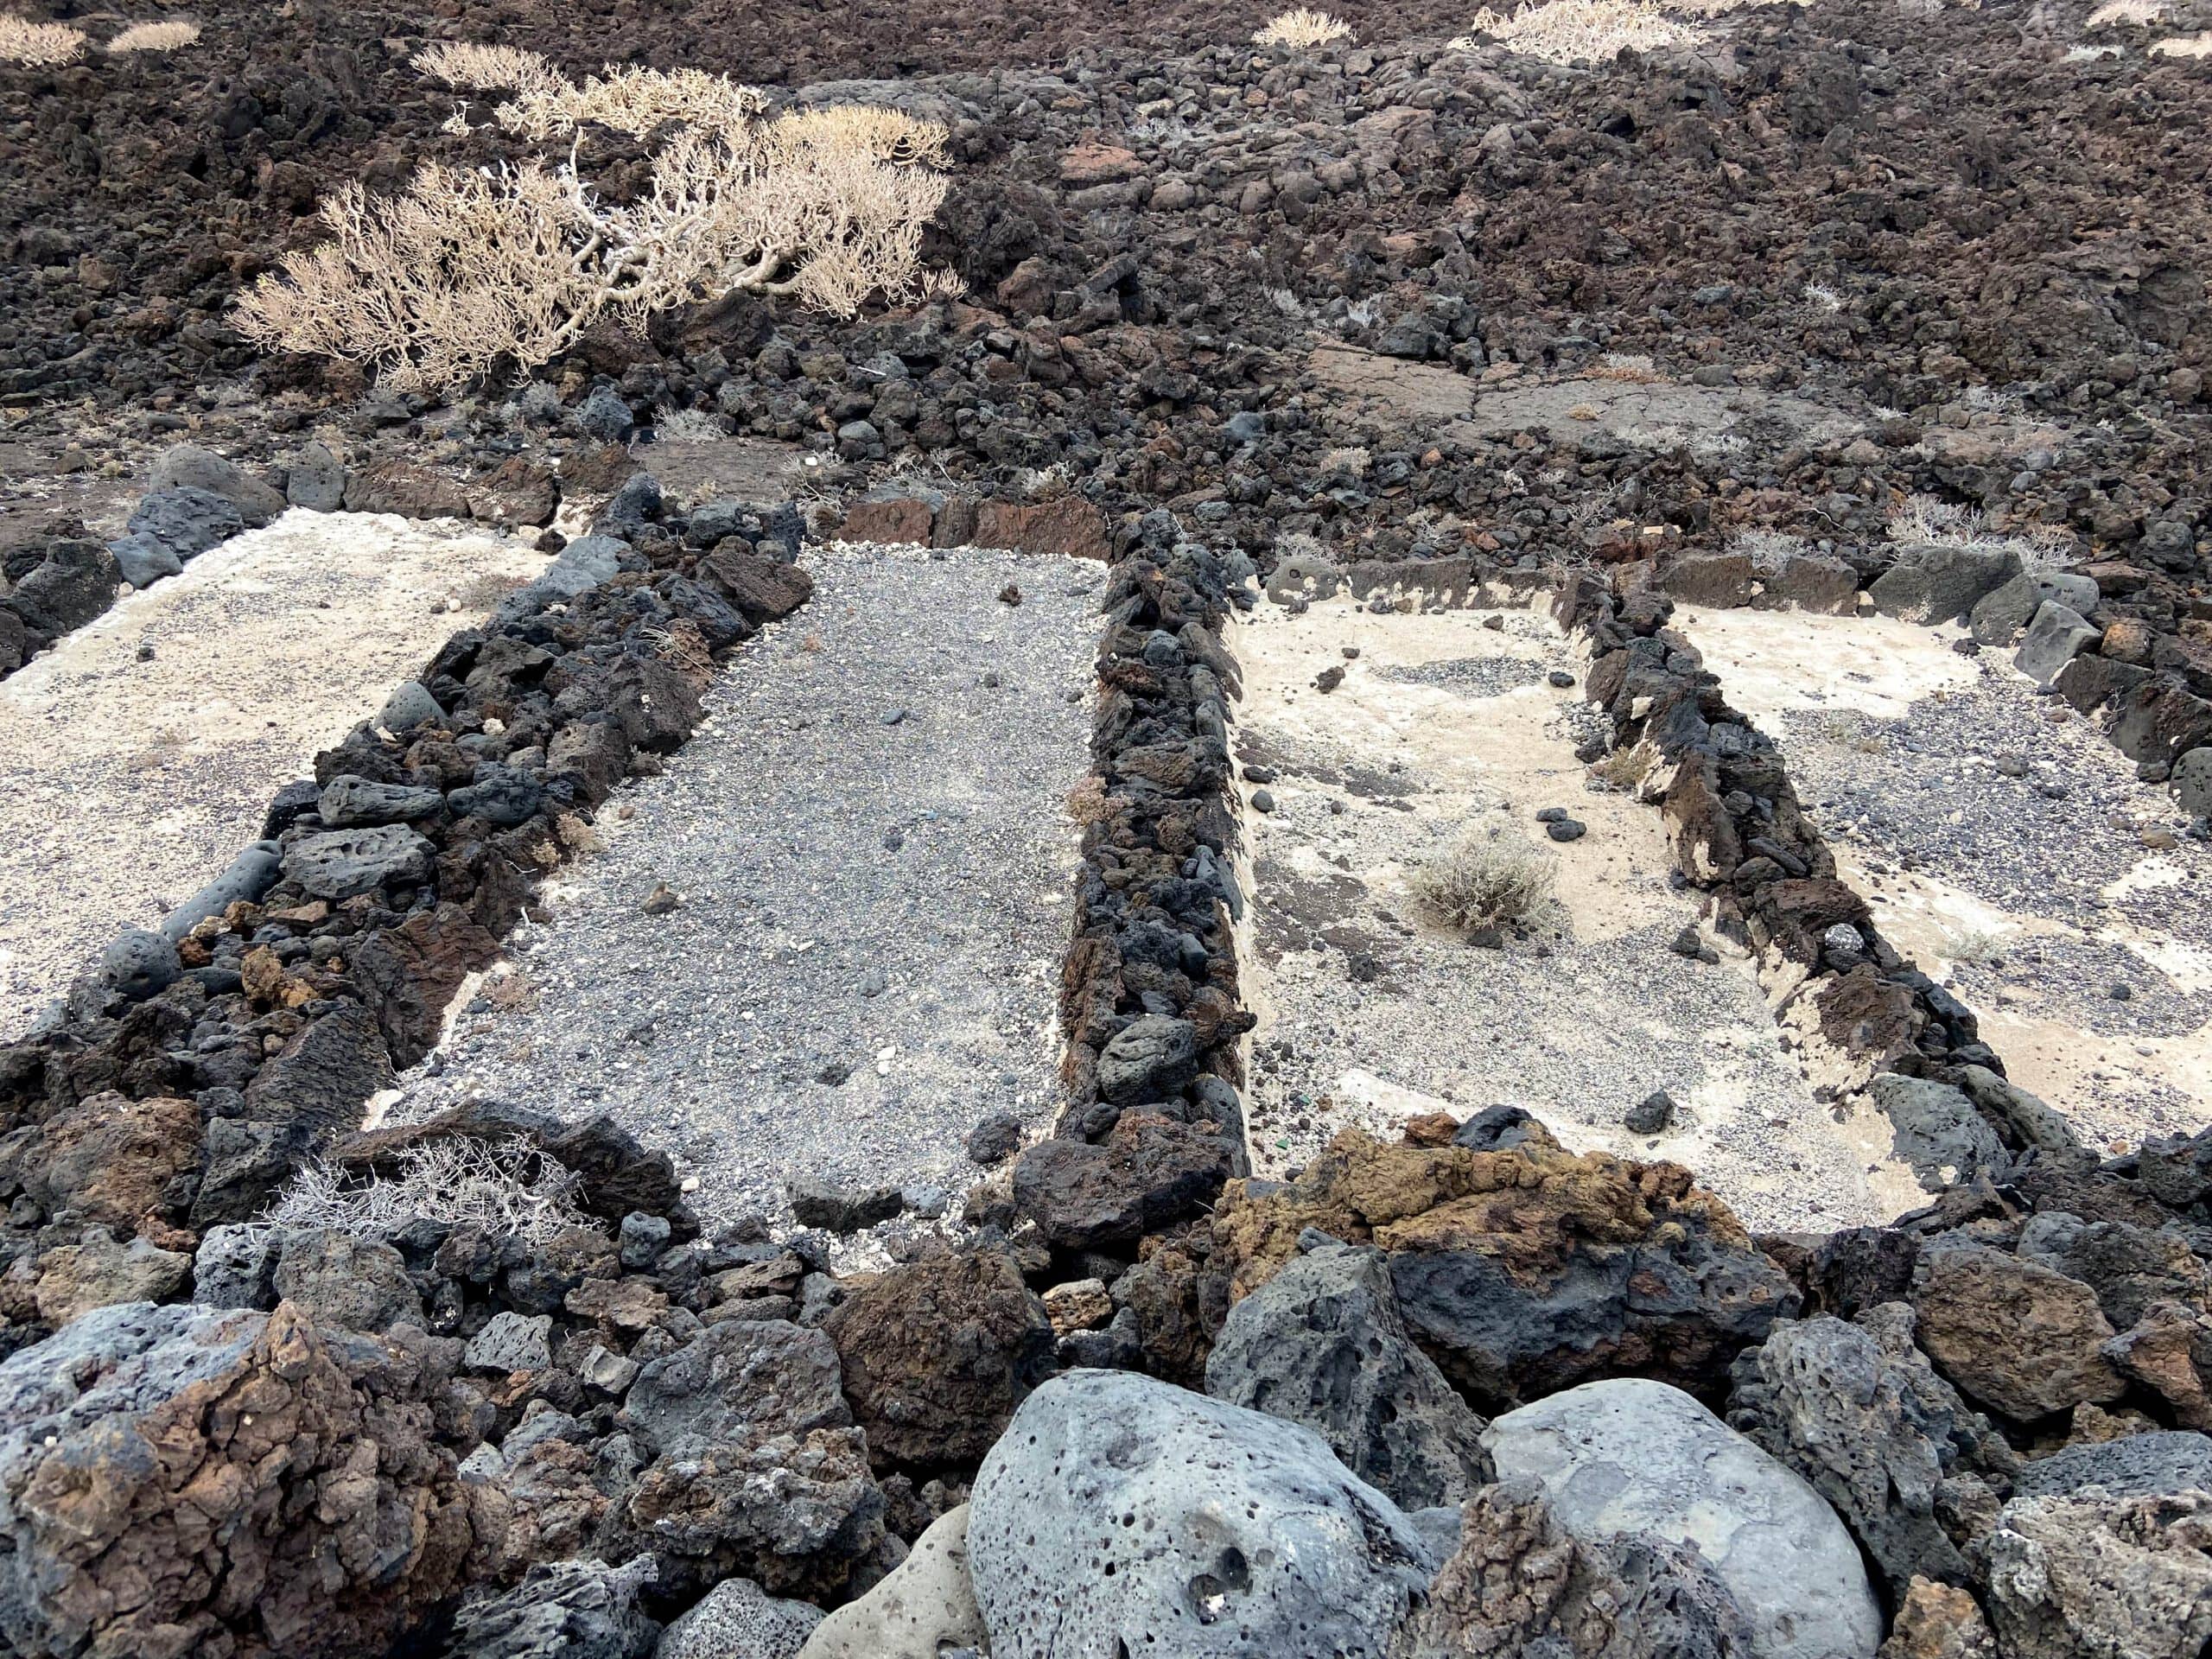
126 785
1579 1020
2031 907
866 957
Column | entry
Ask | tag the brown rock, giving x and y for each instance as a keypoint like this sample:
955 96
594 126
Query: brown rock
517 491
903 521
407 975
1938 1621
936 1356
1529 1270
109 1159
1069 526
596 469
2016 1336
2168 1351
76 1278
760 589
409 491
1092 162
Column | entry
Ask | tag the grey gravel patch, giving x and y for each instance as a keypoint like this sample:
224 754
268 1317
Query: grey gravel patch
1474 676
883 903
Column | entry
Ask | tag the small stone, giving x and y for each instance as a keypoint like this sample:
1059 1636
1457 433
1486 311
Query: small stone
511 1342
408 707
2121 993
895 717
1551 815
994 1140
1328 679
1687 943
1652 1114
1566 829
1560 679
1080 1304
1352 653
610 1373
643 1237
661 900
2012 765
1262 801
140 964
1009 595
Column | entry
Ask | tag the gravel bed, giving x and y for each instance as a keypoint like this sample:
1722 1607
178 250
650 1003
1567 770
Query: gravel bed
138 755
2011 848
1372 1012
873 863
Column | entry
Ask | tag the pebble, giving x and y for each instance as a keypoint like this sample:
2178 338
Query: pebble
1262 801
1566 829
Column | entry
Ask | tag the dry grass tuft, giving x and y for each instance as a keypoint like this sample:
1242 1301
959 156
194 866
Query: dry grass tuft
40 45
1582 31
1302 30
155 37
1484 879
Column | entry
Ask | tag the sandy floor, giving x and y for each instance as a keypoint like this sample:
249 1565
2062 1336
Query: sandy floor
1371 1012
2005 845
875 862
137 756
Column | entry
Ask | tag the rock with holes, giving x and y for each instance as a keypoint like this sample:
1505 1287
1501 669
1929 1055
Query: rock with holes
2067 1577
740 1620
1630 1456
1323 1344
1121 1515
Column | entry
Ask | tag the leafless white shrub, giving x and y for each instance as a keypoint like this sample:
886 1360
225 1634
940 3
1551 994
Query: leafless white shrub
1302 30
688 426
506 1186
436 287
1768 550
1484 879
1582 31
155 37
39 46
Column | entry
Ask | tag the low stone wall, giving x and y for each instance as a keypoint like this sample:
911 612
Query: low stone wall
186 1080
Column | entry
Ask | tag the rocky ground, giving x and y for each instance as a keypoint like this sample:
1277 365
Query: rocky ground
1858 316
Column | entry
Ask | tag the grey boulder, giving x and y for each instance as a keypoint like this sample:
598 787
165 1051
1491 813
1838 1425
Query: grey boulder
188 466
1630 1455
926 1607
2002 612
2066 1577
1122 1515
2192 782
360 1284
235 1266
1859 1412
74 584
317 479
1149 1059
142 562
2054 637
740 1620
1937 580
561 1610
511 1342
251 873
408 706
140 964
1935 1129
348 802
583 564
741 1376
342 862
1323 1344
2158 1460
186 521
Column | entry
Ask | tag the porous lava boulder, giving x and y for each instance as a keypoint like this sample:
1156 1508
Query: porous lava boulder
1122 1514
109 1159
1857 1410
2013 1334
1323 1344
2076 1575
1527 1269
938 1355
1630 1455
180 1480
1521 1583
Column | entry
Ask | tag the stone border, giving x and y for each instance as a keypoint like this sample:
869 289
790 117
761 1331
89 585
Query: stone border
210 1059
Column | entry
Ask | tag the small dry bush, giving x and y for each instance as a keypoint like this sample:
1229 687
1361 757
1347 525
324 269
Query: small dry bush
155 37
438 286
1622 769
504 1187
2127 11
1302 28
1484 879
38 45
1582 31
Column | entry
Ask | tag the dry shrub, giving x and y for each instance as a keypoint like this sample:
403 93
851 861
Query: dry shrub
1582 31
504 1187
436 287
2184 46
2127 11
39 44
1622 769
1484 879
155 37
1302 30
